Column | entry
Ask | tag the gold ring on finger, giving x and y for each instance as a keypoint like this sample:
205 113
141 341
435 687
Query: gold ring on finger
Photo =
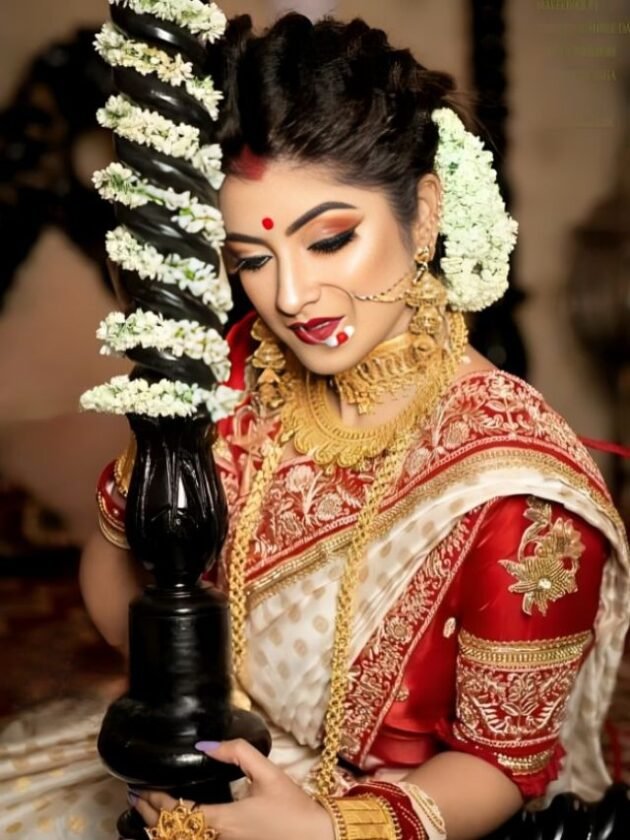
182 823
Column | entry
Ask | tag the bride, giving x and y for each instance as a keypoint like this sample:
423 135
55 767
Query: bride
433 579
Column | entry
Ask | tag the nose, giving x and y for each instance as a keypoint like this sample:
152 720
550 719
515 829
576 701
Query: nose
296 289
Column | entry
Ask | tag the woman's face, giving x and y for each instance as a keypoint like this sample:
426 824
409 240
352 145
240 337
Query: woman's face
302 244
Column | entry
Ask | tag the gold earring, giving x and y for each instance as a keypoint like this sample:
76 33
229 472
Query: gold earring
428 297
269 359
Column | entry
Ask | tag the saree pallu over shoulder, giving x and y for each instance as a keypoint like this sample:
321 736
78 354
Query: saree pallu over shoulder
492 436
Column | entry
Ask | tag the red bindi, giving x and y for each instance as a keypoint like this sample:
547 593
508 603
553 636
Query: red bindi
267 223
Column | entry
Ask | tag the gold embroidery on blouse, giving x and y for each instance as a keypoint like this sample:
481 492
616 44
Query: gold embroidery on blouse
541 653
515 694
541 570
527 764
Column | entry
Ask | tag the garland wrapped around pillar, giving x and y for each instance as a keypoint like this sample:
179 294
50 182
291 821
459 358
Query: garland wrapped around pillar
167 273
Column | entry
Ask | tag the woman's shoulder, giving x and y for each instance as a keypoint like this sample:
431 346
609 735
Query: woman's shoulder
490 420
499 407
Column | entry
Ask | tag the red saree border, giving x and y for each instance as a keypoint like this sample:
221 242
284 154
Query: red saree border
374 680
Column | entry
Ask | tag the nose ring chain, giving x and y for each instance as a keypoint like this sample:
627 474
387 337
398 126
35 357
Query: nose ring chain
421 265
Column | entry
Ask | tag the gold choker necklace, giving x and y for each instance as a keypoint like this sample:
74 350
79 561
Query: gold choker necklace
312 424
392 367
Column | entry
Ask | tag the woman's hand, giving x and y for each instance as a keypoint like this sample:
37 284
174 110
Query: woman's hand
275 809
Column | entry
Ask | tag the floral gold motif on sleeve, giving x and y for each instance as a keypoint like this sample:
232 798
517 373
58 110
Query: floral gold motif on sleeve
513 695
548 559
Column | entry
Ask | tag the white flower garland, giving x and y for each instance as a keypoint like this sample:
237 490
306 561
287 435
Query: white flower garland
165 398
153 330
119 51
148 128
480 234
189 274
206 21
119 183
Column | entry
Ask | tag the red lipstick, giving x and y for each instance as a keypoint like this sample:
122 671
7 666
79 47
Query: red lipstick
315 331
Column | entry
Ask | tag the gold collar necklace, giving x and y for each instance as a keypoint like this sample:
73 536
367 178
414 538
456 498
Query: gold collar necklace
314 427
390 368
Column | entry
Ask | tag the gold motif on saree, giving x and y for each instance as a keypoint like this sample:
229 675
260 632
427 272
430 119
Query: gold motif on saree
548 558
515 694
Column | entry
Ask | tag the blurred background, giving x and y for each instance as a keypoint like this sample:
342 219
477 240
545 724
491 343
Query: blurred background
549 81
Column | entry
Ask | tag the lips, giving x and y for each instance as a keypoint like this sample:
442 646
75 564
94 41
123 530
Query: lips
315 331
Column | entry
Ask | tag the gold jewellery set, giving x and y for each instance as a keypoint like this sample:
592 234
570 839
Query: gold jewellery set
423 361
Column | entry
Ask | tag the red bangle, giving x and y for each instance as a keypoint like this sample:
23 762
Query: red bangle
111 508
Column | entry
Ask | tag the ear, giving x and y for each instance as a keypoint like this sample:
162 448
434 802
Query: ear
429 206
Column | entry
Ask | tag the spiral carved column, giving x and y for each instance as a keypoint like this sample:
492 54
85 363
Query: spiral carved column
166 270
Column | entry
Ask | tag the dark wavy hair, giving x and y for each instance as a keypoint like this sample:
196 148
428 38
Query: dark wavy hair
332 93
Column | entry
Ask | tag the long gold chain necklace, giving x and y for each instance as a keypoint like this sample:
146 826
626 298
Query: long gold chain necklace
329 440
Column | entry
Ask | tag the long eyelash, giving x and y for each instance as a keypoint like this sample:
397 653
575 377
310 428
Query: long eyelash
334 243
250 264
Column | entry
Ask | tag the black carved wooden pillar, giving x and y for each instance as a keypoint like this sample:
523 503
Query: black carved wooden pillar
176 516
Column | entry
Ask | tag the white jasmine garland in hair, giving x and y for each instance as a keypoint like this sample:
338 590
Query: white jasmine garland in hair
119 51
479 232
165 398
148 128
119 183
153 330
189 274
202 19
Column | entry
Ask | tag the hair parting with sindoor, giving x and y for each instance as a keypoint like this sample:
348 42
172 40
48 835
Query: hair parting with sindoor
334 94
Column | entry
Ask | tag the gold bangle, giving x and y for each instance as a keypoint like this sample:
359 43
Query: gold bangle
112 534
123 467
361 818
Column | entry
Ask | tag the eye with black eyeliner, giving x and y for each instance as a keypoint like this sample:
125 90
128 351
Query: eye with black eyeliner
333 243
250 264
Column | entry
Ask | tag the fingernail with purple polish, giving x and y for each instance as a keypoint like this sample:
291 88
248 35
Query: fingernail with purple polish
207 746
132 798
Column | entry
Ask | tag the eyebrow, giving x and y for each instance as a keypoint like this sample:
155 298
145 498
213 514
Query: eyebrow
317 211
304 219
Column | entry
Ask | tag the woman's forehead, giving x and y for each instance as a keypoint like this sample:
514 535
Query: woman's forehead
286 189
